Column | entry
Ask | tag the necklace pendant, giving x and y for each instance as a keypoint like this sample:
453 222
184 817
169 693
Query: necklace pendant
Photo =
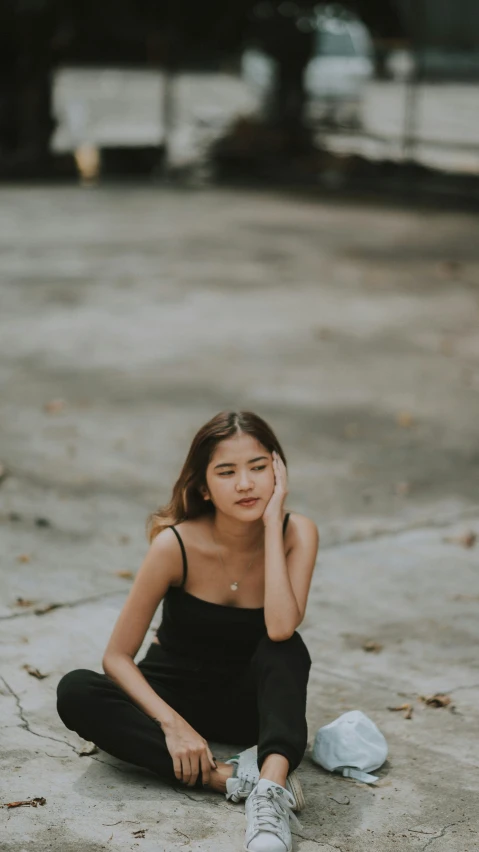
234 586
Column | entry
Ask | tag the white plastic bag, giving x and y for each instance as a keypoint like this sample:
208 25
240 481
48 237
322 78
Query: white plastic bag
351 744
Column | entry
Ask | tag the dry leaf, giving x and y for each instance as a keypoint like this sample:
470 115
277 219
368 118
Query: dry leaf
351 430
361 469
323 333
34 672
449 269
88 748
437 700
408 708
446 347
34 802
467 539
23 602
24 557
404 419
127 575
54 405
465 598
40 610
372 646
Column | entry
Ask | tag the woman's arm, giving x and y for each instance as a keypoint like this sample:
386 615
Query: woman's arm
288 578
161 567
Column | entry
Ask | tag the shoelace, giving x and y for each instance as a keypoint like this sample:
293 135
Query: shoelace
246 782
269 808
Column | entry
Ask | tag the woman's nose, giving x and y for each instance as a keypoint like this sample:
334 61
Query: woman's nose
244 480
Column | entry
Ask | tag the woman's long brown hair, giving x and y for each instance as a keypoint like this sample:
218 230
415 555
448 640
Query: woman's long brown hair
186 501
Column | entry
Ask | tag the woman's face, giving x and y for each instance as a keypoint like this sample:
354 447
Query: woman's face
240 468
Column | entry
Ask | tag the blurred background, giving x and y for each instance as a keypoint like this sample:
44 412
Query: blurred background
243 205
357 95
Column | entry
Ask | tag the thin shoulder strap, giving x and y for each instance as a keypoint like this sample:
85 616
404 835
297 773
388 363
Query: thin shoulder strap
183 553
285 522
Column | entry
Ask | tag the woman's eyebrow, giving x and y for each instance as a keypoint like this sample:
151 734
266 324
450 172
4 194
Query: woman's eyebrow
233 464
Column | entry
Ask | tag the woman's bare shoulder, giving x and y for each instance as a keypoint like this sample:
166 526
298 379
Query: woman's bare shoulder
300 525
164 548
192 523
195 532
193 526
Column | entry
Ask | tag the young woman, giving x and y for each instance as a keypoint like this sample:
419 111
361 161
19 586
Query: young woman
233 571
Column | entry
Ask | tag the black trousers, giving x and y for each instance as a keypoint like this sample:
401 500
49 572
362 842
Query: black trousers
263 702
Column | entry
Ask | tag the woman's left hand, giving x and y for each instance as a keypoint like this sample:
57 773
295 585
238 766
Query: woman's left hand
274 509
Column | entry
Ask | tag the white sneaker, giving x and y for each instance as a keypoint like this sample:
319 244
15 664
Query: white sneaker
269 809
246 776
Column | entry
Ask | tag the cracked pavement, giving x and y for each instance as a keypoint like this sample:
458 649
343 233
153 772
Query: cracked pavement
129 316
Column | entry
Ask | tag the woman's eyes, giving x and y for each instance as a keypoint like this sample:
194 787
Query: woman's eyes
227 472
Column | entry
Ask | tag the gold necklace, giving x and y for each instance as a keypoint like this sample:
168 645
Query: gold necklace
235 584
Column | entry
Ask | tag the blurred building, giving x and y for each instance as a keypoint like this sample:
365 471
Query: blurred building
308 65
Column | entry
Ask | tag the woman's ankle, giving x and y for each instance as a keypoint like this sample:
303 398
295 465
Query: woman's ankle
275 768
219 777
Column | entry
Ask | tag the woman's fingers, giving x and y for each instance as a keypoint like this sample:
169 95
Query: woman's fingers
191 758
280 471
195 770
177 768
186 769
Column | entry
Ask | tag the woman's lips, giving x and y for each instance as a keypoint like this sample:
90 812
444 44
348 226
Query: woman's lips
250 502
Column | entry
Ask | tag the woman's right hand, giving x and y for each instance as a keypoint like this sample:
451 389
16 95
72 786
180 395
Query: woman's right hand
190 752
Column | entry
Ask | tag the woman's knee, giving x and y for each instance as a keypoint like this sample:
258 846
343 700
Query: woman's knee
293 649
73 691
301 649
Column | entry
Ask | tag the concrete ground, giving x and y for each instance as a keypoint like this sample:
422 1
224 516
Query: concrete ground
129 316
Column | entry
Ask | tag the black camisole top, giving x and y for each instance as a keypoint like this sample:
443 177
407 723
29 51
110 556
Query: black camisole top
207 631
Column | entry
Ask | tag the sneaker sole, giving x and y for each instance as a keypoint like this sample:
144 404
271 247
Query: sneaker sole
294 786
289 849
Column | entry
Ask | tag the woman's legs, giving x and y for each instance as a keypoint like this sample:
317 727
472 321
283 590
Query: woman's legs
281 671
100 711
265 705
